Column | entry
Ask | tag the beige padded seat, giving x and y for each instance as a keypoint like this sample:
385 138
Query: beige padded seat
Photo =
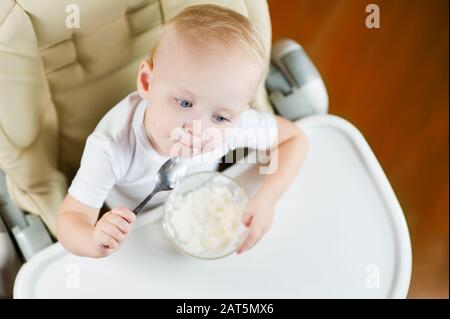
57 82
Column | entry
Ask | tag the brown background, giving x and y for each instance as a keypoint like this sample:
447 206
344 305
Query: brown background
392 83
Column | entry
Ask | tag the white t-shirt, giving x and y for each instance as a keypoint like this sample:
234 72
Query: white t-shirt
119 164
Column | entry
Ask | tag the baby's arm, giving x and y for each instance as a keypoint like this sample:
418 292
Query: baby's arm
286 158
78 230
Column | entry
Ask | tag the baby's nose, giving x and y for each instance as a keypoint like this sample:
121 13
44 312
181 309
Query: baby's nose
194 129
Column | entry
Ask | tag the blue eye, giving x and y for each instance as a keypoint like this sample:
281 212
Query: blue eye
183 103
220 119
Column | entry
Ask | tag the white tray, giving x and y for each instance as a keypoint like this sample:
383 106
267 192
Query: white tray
339 232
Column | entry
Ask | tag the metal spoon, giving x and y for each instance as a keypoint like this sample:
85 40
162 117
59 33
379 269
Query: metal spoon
169 175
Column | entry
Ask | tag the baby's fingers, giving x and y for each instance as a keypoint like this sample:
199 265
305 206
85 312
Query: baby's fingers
246 218
252 238
120 223
125 213
114 232
108 241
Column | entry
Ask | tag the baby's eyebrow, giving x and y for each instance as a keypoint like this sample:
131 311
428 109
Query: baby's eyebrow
230 110
187 92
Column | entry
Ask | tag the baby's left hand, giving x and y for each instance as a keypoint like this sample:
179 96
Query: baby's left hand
258 216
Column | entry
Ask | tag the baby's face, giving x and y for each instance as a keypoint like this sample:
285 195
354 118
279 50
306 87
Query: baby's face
194 95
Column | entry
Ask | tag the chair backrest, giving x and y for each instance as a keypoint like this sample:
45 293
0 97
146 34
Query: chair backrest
56 82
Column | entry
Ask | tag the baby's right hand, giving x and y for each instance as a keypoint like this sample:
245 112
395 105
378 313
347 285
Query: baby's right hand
112 229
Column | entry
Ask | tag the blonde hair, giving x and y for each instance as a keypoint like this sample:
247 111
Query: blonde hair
209 25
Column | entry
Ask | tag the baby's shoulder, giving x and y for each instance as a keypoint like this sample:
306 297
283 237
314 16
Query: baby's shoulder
114 133
117 122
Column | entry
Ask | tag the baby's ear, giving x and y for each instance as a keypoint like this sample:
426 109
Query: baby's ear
144 77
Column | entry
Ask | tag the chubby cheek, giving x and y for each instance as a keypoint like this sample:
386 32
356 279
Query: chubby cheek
158 127
213 137
161 118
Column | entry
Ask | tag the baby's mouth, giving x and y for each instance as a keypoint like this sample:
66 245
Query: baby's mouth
188 148
189 143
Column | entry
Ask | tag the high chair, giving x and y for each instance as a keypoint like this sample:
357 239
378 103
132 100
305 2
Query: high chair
339 230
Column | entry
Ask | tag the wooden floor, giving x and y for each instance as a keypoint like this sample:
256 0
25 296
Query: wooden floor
392 83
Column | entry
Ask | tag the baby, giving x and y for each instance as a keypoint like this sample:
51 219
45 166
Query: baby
192 99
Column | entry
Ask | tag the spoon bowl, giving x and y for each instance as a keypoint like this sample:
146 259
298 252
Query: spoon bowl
168 177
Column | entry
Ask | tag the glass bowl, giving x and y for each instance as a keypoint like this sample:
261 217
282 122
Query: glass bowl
203 215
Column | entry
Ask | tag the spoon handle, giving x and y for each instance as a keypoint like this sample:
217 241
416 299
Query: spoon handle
145 201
